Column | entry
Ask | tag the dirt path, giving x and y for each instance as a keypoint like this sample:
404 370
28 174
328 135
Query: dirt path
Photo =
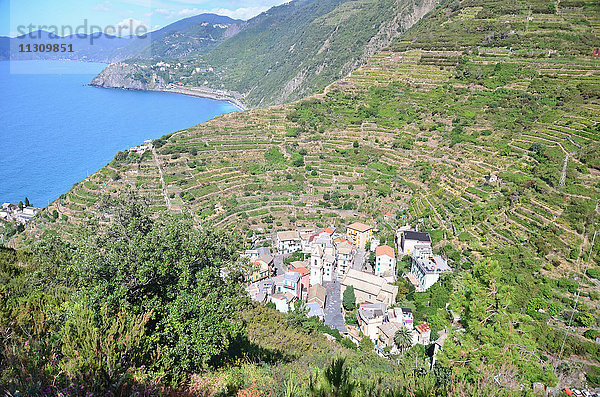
162 181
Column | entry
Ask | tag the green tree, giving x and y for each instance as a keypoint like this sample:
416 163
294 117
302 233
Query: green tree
27 203
366 344
403 339
349 298
168 268
20 205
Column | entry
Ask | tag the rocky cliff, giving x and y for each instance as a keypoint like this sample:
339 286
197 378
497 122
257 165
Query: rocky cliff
130 76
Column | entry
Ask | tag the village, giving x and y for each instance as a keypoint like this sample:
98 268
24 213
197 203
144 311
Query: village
18 213
326 273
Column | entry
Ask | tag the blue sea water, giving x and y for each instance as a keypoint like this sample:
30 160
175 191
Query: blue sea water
55 130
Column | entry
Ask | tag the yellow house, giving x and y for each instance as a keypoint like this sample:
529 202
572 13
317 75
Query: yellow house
260 271
359 234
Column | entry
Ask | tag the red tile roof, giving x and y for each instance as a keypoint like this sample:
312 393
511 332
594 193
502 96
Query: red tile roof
302 270
384 250
422 328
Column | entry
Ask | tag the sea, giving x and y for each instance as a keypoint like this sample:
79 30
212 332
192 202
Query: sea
55 129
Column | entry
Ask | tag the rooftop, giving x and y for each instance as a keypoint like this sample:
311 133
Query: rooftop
317 291
288 235
368 283
292 275
361 227
430 263
422 328
389 329
368 311
301 270
417 236
314 309
384 250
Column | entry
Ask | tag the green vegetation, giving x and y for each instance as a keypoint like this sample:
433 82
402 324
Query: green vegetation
349 299
480 123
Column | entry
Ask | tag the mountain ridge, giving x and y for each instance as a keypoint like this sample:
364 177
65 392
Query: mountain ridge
204 30
292 50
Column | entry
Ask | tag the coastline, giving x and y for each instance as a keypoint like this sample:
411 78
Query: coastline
208 93
199 92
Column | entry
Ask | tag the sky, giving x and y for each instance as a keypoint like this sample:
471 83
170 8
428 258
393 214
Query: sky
17 15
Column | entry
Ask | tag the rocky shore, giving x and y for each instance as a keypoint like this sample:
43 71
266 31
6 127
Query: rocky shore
134 77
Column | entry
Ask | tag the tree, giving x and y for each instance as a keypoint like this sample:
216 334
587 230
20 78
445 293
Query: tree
366 344
349 298
169 268
403 339
27 203
335 381
20 205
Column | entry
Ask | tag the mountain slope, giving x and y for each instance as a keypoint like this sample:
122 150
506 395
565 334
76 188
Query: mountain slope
292 50
193 35
491 143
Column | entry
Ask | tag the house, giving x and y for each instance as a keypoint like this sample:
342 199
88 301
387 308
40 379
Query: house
317 294
359 234
369 287
385 336
283 301
261 253
22 218
401 316
328 264
322 261
409 239
260 271
427 267
304 279
388 217
345 257
257 293
306 236
31 211
288 242
314 310
370 316
422 334
289 282
385 261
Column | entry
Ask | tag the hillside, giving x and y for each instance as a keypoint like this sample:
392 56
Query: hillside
189 36
481 124
287 52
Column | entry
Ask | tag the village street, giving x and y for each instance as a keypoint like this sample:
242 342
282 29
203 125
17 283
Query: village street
333 307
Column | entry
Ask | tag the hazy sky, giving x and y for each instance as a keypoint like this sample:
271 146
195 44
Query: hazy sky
152 14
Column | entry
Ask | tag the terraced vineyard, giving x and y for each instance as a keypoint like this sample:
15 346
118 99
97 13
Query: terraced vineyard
481 124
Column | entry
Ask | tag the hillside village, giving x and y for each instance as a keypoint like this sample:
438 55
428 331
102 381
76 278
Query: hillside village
328 274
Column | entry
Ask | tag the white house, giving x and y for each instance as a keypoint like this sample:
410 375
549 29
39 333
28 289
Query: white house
283 301
31 211
370 316
407 240
345 257
401 316
427 267
385 261
288 242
